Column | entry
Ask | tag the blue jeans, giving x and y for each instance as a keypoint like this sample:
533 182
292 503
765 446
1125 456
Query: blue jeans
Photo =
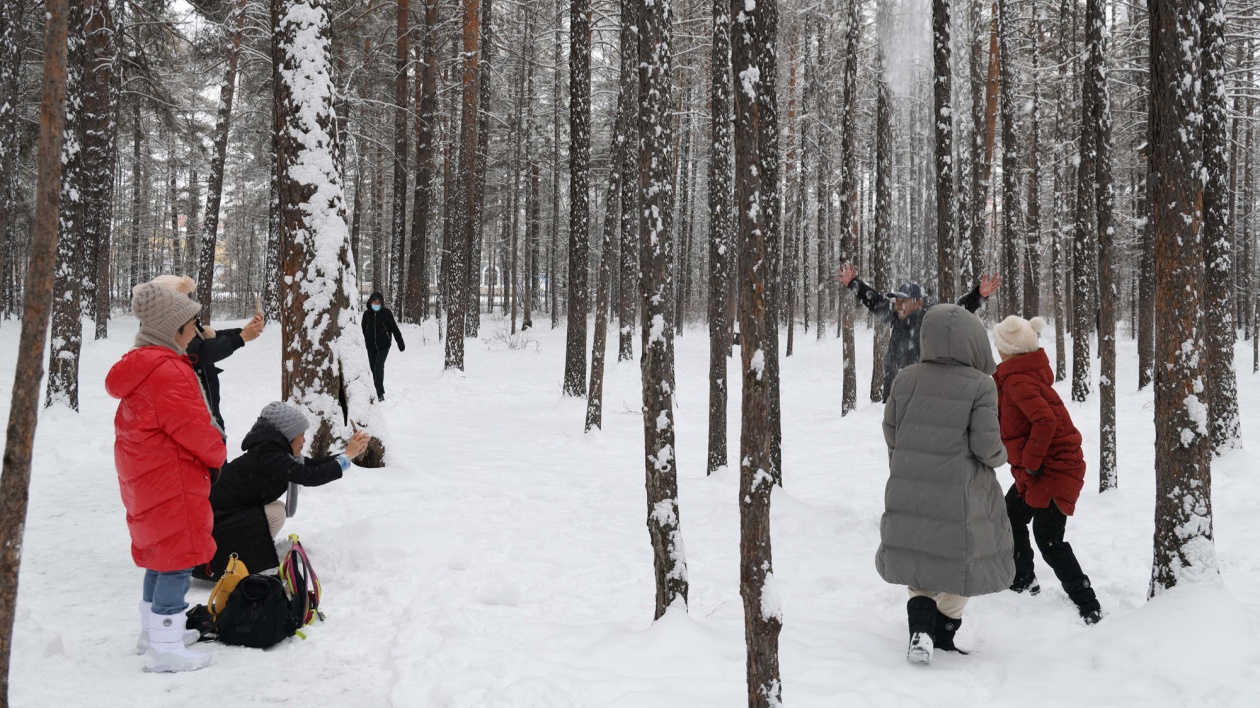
166 590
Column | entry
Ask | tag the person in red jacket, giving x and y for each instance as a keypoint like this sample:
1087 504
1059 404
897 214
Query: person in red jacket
165 446
1044 450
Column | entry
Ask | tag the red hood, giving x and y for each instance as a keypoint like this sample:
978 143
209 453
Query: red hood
135 366
1035 364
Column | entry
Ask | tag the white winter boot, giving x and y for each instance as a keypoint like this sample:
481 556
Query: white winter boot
166 645
191 636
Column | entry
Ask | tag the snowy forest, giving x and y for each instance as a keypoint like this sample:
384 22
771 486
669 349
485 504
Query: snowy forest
594 182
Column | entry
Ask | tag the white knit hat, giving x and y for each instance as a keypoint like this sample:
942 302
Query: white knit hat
1016 335
179 283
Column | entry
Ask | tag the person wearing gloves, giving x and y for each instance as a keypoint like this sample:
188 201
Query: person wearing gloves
1047 463
165 446
944 533
210 347
378 328
247 512
904 310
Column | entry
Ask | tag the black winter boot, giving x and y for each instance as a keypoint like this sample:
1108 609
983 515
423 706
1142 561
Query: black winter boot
1025 578
921 612
1082 593
945 629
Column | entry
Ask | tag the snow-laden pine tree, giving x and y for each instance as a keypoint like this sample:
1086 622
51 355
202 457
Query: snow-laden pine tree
417 295
721 225
1218 256
1184 550
881 244
1012 212
943 131
325 364
848 195
466 196
753 34
628 86
579 194
656 188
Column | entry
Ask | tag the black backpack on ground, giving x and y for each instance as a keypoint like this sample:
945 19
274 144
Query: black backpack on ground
259 613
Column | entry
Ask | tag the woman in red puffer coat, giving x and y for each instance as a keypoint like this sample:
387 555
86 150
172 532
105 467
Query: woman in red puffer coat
1044 450
165 446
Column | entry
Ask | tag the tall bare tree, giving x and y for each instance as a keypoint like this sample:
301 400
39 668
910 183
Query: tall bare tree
721 223
943 129
579 194
402 145
462 270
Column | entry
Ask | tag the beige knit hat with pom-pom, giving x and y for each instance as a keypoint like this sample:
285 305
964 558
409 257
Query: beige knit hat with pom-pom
1016 335
178 283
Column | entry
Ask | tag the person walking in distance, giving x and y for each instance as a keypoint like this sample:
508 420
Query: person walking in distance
379 328
1046 461
904 310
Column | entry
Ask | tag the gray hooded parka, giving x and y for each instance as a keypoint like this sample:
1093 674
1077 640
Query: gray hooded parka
945 527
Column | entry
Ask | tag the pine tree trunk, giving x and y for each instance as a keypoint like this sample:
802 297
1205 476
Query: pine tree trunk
848 189
23 411
11 39
1096 67
472 322
1084 253
595 397
553 260
753 36
655 245
943 127
1032 236
1012 226
67 329
214 190
325 369
398 222
579 194
1220 387
469 200
417 308
137 202
721 226
627 314
882 243
1184 551
979 168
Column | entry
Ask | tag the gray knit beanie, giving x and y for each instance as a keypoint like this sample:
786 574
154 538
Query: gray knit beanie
288 419
161 311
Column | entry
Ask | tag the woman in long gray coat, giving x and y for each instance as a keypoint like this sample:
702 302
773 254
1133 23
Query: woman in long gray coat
945 533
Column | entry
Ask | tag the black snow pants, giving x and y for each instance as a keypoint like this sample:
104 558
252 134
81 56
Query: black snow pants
1048 526
377 359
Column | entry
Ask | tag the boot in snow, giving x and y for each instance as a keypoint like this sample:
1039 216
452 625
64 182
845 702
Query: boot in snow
945 629
191 636
1026 584
166 645
921 612
1082 593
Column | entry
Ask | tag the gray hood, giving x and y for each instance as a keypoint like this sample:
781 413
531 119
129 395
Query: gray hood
952 335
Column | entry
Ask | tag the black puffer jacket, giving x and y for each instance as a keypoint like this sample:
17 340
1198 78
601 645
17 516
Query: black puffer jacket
258 477
378 327
204 354
263 473
903 346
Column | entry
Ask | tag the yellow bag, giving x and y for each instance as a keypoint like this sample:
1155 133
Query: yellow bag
236 571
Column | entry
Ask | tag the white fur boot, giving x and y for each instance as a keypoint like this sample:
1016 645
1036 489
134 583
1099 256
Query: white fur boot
191 636
166 645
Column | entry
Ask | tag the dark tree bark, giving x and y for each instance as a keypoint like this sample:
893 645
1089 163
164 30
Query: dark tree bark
461 268
848 189
417 308
67 330
629 248
553 259
11 40
472 323
882 242
15 481
1012 226
655 246
721 226
1218 256
99 157
214 187
1183 548
612 220
579 194
752 35
1084 251
402 146
1032 235
943 128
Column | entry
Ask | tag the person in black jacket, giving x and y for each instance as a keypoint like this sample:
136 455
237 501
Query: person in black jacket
210 347
247 513
378 328
904 311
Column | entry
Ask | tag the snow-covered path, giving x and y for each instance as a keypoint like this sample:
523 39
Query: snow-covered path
503 559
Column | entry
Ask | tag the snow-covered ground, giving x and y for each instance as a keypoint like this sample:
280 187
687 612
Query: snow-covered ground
503 559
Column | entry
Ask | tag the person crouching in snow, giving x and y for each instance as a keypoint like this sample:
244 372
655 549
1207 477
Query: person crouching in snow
247 513
165 446
944 532
1046 462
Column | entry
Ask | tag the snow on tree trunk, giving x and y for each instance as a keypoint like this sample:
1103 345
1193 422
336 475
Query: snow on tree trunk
1032 236
1096 69
472 317
882 242
655 280
752 36
325 368
943 129
402 146
1218 256
721 226
99 155
848 189
1183 549
1084 251
23 411
461 268
214 191
579 194
1012 217
417 297
67 325
628 86
11 38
